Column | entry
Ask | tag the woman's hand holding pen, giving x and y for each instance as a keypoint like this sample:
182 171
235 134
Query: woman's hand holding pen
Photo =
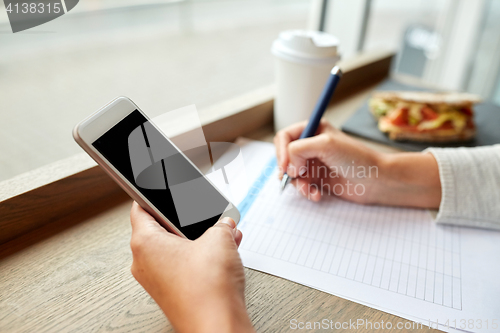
332 163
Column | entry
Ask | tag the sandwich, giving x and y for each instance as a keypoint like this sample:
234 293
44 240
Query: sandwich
425 116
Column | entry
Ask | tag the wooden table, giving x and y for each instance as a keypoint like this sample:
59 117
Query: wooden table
72 272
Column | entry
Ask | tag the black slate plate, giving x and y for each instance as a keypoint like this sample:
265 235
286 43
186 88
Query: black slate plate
363 124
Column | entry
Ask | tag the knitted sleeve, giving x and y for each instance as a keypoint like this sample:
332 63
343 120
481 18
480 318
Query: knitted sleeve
470 183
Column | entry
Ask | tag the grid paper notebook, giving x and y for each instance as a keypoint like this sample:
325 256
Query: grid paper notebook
395 249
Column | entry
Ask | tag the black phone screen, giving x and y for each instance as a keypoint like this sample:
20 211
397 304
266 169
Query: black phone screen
157 169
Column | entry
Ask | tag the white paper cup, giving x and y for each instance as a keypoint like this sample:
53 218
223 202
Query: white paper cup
304 60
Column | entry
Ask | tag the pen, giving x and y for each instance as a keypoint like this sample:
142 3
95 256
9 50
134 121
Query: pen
318 111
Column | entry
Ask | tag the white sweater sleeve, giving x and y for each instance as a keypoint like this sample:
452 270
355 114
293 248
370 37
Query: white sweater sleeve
470 183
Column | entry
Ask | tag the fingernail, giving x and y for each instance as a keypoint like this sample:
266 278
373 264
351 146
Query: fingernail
229 222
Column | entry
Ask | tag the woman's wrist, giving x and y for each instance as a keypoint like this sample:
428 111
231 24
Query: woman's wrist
408 179
220 316
231 318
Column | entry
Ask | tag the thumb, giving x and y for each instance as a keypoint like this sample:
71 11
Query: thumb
302 150
226 227
226 221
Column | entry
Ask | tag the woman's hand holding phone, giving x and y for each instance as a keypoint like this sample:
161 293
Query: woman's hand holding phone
198 284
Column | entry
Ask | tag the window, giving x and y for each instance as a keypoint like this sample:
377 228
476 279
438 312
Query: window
389 20
484 76
162 54
453 44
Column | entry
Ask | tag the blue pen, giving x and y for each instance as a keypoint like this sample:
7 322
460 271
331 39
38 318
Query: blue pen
318 111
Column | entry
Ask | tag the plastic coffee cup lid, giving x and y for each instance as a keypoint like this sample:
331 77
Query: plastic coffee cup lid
306 46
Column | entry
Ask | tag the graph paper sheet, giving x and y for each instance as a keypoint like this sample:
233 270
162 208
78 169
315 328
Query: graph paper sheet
393 259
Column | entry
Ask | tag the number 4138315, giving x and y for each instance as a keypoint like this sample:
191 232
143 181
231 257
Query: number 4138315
33 7
472 323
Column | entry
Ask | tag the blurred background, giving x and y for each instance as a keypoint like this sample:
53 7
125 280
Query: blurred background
168 54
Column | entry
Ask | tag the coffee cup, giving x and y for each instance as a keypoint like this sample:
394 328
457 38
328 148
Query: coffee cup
303 63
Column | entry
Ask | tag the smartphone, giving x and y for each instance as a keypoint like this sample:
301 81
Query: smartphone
152 170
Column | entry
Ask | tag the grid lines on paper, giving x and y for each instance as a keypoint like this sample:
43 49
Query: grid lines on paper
396 249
